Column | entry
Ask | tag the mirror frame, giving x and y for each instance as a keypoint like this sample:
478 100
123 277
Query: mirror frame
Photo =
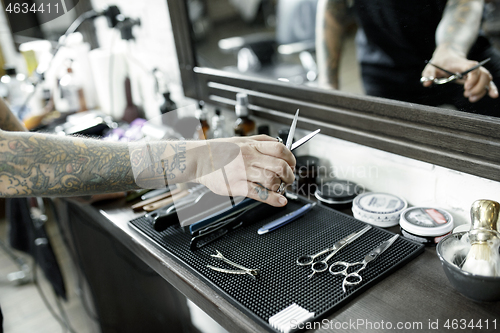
461 141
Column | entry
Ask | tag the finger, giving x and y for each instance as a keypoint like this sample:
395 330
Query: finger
262 137
477 91
493 91
272 184
276 149
429 72
272 167
259 193
268 178
472 80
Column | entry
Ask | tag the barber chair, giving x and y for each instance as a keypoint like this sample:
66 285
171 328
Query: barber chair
288 53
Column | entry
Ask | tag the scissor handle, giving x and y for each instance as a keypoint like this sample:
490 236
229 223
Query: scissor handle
305 260
319 266
346 266
341 271
355 280
446 79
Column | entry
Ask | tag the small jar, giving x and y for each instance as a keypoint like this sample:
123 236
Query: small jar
380 209
337 194
426 225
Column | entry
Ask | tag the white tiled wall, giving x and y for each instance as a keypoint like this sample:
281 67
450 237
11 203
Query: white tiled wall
418 182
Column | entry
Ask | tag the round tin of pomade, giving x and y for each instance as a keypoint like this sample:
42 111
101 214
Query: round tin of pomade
426 225
337 193
380 209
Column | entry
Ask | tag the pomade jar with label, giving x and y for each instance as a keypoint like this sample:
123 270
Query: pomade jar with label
426 225
380 209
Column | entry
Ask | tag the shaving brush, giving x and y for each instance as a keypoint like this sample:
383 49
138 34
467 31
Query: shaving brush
484 228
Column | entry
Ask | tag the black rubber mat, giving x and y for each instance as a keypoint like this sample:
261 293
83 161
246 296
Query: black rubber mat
281 281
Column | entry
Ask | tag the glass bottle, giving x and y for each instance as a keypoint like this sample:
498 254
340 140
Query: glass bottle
202 115
243 126
14 90
218 125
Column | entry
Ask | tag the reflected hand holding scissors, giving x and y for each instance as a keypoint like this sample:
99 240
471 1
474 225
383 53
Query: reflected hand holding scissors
476 85
453 76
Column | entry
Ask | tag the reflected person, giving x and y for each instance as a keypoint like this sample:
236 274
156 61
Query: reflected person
395 39
35 164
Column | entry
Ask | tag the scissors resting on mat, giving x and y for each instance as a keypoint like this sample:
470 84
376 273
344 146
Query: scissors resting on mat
354 277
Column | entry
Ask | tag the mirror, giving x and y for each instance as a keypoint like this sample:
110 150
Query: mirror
265 38
457 140
275 39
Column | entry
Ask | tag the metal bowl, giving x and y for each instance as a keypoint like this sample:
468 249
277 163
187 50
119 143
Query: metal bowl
476 287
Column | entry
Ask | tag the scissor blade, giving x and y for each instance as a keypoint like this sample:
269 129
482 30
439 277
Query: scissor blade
473 68
351 238
291 133
441 68
308 137
385 245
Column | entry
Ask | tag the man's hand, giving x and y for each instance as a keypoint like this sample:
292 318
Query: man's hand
477 83
247 166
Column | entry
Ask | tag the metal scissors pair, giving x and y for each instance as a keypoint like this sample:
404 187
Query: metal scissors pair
321 266
354 277
295 145
453 76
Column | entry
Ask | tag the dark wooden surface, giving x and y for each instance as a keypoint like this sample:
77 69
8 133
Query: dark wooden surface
417 293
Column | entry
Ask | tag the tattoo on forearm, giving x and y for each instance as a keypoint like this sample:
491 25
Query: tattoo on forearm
461 21
178 160
35 165
336 16
262 192
152 168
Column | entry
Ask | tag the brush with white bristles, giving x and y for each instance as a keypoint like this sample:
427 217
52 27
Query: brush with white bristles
481 259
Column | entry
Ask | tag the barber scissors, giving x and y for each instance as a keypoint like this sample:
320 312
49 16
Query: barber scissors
453 76
354 277
295 145
321 266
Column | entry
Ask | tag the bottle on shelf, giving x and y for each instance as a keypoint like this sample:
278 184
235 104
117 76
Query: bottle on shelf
203 128
15 89
167 106
243 126
218 125
167 109
71 97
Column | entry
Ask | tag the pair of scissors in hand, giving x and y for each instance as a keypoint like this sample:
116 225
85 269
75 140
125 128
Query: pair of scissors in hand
354 277
453 76
321 266
295 145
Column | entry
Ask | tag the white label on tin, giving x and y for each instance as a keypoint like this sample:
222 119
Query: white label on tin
380 203
428 218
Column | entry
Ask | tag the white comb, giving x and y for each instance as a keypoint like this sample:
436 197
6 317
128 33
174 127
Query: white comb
288 319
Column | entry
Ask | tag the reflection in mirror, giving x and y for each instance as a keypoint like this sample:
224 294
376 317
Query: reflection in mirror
276 39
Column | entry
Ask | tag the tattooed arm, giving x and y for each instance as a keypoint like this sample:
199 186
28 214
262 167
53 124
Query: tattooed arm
49 165
455 35
8 121
331 19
